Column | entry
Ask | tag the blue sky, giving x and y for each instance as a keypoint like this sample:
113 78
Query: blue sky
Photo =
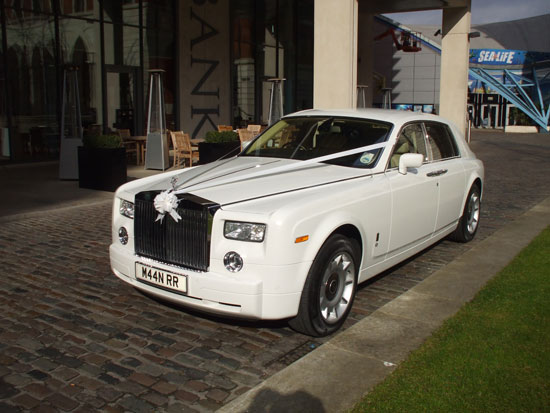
483 11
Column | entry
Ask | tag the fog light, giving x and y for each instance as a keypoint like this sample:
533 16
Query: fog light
123 235
233 262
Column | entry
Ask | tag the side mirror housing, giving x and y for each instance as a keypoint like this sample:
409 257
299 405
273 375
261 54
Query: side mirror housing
410 160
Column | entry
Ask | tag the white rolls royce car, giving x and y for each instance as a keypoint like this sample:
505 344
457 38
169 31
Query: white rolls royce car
286 229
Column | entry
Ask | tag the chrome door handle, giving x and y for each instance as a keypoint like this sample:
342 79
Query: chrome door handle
437 173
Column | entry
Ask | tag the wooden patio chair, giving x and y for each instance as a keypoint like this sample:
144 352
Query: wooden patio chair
183 149
129 144
225 128
256 129
245 135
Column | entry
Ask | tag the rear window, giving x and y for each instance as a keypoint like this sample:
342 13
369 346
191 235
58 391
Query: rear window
441 141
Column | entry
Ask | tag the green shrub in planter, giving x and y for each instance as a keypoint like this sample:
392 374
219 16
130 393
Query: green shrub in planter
102 141
220 137
218 144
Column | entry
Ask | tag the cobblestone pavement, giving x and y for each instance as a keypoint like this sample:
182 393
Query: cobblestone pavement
74 338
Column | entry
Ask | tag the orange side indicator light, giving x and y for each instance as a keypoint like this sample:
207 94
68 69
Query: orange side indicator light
303 238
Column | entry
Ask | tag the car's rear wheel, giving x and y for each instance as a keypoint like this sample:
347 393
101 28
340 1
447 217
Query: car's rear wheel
329 289
469 222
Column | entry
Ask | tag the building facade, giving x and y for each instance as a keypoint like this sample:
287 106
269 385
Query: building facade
110 44
217 59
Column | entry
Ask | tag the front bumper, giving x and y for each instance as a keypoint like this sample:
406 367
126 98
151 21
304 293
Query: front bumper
261 292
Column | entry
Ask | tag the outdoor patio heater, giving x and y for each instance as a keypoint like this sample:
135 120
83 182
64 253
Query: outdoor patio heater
157 143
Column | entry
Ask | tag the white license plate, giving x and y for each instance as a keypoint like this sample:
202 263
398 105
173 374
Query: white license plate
162 278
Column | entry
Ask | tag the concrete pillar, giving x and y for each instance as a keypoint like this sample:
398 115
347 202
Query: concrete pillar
365 51
455 47
335 54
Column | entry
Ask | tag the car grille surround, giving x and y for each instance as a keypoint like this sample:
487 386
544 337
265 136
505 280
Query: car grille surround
185 243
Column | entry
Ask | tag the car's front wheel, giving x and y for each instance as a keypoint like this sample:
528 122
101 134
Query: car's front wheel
469 222
329 289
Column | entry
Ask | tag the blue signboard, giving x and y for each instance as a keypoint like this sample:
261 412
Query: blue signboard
502 57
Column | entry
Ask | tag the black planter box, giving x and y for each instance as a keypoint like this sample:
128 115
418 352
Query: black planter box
210 152
101 168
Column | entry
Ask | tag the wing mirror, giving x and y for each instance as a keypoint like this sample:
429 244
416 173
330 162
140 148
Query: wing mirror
410 160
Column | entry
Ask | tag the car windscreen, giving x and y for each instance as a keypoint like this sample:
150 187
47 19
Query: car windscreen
305 138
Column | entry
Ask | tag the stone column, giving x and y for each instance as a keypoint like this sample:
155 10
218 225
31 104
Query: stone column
335 54
365 51
455 48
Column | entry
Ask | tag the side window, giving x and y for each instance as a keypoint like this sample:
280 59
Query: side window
411 140
441 141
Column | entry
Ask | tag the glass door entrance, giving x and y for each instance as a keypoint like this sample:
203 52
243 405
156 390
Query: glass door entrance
123 107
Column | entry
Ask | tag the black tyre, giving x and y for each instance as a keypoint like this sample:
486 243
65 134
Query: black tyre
329 289
469 222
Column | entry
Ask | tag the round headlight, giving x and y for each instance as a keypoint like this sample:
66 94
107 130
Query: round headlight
123 235
233 262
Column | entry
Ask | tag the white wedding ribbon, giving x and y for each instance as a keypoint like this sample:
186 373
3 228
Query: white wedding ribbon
282 169
166 203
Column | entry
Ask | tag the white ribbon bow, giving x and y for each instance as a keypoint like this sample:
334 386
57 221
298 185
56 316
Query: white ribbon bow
166 203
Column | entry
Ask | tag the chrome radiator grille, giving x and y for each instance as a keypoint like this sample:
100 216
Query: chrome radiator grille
185 243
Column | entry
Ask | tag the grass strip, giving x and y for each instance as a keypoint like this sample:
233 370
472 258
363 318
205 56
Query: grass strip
493 355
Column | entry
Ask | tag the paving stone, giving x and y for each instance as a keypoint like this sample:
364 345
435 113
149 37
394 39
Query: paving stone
21 367
88 383
118 370
151 369
136 405
204 353
38 375
114 409
180 408
4 407
130 387
164 387
219 381
38 390
43 408
90 369
197 386
25 401
107 378
90 409
143 379
95 359
71 390
62 402
91 400
217 395
109 394
4 371
130 362
17 379
186 396
155 398
7 390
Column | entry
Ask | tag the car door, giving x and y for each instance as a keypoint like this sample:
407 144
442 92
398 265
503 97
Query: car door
448 171
414 195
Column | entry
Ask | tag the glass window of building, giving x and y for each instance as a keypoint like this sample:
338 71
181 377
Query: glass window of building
111 45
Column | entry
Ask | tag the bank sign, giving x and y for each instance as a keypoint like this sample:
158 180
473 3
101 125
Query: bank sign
502 57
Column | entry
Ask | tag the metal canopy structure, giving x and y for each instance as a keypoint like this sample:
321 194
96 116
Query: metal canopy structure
525 93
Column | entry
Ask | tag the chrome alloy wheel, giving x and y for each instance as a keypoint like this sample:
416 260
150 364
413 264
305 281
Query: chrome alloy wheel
337 287
473 212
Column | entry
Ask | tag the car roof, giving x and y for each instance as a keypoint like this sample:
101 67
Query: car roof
387 115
